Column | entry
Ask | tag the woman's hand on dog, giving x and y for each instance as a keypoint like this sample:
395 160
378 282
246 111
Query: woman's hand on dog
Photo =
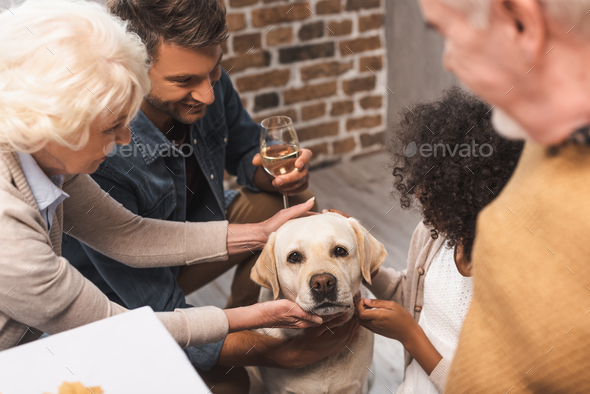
271 225
272 314
253 236
286 314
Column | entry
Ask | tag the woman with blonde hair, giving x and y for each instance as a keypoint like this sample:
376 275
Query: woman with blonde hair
71 79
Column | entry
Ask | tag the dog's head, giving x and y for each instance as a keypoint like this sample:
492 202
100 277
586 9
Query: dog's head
318 262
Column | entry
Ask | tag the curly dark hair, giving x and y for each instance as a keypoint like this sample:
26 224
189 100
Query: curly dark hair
466 166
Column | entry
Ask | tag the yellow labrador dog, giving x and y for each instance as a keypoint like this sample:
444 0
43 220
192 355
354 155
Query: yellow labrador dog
319 262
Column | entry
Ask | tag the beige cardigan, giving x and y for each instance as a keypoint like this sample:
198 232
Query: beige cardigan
40 289
528 327
407 288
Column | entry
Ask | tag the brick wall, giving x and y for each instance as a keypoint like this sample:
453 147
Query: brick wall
321 62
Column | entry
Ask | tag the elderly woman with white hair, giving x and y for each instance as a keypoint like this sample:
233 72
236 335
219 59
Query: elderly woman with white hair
71 78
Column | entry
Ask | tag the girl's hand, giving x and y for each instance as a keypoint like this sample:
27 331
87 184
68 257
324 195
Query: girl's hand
387 318
391 320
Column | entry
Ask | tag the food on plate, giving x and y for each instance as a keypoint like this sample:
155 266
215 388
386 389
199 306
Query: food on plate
77 388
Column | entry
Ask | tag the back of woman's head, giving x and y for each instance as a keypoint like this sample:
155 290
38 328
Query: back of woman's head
62 64
448 156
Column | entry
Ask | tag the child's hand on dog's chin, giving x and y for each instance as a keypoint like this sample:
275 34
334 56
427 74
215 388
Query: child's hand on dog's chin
391 320
387 318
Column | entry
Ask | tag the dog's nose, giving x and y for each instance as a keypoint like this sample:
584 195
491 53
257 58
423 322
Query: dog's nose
323 283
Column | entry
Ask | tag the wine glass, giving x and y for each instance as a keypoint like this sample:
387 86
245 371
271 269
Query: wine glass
279 147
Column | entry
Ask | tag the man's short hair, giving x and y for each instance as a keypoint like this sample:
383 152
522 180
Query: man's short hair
187 23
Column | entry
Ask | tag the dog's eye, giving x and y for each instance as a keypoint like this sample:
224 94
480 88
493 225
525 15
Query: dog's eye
340 251
294 258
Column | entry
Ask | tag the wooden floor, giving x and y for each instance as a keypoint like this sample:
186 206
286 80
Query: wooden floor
361 189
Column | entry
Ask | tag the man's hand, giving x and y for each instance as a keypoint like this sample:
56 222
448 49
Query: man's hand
293 183
318 343
251 348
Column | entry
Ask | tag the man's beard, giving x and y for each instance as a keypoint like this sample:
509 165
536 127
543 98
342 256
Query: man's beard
507 127
170 109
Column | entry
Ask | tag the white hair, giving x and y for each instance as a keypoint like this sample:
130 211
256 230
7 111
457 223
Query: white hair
62 64
567 12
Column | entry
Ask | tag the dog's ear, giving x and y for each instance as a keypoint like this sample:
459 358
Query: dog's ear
371 252
264 272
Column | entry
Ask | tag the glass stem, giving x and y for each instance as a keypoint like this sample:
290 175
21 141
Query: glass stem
285 201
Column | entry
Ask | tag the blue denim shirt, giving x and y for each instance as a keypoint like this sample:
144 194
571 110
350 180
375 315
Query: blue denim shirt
148 178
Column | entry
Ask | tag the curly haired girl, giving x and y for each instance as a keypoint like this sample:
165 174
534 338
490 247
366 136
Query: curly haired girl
446 156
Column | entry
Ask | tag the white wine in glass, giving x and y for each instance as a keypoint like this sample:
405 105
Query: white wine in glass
279 147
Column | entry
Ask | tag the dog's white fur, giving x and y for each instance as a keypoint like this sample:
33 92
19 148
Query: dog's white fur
315 239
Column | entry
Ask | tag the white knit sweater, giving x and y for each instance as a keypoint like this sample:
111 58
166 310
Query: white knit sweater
447 295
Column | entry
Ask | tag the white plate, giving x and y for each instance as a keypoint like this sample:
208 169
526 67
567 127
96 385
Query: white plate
128 353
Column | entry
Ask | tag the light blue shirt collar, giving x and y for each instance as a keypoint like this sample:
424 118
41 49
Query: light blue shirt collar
46 190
